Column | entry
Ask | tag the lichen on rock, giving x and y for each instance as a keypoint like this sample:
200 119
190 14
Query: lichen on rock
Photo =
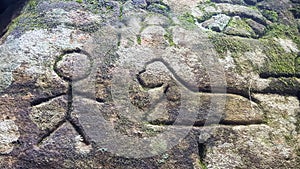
9 133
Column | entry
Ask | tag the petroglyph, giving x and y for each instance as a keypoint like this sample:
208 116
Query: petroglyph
150 82
50 115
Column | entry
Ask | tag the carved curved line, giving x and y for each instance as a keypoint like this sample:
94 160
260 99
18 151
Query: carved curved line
188 86
76 50
177 77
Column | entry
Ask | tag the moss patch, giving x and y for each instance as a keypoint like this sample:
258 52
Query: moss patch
238 26
297 66
98 7
206 15
139 39
159 7
283 31
278 63
270 15
188 21
169 38
28 20
188 18
31 19
235 45
202 165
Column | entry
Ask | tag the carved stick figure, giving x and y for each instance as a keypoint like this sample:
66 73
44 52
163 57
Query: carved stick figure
72 66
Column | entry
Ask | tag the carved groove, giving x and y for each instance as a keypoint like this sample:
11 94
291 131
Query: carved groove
55 128
46 99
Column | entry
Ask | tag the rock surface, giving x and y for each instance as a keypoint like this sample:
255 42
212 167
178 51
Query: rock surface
151 84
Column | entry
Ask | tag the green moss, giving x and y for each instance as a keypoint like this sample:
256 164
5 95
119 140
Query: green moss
169 38
150 132
159 7
188 20
139 39
271 15
28 20
14 24
121 12
32 4
97 7
240 24
254 8
297 66
31 19
188 17
206 15
283 31
235 45
278 62
202 5
202 165
79 1
288 82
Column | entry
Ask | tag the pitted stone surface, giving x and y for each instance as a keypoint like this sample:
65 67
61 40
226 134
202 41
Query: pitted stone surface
153 36
74 66
9 133
239 27
47 115
229 145
217 23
